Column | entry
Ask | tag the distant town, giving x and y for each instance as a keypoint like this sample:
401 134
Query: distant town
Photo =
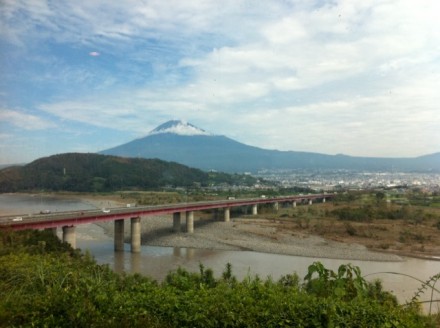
333 180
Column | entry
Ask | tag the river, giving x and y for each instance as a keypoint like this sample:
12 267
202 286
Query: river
156 262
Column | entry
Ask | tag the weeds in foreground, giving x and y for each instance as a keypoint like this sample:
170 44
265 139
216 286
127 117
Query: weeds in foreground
62 288
428 285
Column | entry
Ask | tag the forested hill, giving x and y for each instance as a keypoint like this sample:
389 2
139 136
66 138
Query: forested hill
93 172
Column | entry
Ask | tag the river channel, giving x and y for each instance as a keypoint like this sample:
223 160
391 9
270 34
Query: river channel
156 262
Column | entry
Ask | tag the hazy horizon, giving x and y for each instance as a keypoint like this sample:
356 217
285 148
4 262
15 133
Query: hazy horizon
187 131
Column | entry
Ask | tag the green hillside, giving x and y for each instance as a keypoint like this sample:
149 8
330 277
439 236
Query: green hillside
93 172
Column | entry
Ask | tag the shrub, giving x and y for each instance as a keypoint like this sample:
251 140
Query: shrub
62 288
350 229
363 214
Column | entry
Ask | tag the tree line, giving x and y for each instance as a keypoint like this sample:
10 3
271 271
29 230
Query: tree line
82 172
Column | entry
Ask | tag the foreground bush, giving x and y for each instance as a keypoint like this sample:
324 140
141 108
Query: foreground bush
58 287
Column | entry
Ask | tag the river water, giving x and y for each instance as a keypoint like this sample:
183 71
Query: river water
156 262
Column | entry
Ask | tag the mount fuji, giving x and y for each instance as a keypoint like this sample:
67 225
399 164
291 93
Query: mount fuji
184 143
179 128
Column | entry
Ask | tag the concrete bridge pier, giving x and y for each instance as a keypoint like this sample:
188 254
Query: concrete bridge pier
190 222
227 215
310 202
135 235
254 209
119 235
176 222
294 204
323 200
69 235
276 206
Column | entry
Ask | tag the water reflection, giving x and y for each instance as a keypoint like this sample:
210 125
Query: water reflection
156 262
119 262
136 263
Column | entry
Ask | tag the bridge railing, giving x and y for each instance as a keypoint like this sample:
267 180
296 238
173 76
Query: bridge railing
39 220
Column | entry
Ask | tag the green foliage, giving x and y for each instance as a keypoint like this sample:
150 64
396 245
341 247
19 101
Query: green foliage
410 236
350 229
428 285
346 284
360 214
349 197
367 213
380 196
63 288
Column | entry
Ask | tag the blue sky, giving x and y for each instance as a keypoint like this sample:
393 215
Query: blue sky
355 77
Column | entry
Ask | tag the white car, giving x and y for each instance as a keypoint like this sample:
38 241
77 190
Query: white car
18 218
104 210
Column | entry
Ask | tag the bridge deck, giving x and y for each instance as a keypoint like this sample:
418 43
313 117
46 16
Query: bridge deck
57 219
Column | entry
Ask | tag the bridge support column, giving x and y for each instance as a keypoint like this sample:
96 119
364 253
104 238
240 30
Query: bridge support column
69 235
254 209
227 215
310 202
276 206
190 222
323 200
176 222
294 204
119 235
135 235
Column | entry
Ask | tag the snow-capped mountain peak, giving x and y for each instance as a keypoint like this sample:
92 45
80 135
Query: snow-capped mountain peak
180 128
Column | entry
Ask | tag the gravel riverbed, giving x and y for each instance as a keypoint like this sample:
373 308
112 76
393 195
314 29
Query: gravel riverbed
246 233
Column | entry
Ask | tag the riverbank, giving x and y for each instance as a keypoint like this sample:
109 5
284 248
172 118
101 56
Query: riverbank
239 234
248 234
243 233
279 233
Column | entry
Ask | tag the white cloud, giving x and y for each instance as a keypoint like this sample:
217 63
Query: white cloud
93 113
356 77
403 122
23 120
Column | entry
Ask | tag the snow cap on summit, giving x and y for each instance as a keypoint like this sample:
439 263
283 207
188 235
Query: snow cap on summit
180 128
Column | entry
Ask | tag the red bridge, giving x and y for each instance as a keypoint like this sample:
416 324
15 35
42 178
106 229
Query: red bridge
68 220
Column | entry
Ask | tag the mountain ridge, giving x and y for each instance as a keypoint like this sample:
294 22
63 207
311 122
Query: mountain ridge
95 172
217 152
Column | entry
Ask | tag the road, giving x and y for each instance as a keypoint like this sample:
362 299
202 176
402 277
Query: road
57 219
